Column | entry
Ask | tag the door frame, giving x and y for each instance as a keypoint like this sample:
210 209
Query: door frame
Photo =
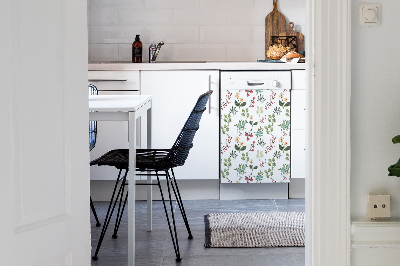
328 221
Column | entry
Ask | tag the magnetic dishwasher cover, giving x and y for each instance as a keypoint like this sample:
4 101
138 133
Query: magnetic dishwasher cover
255 126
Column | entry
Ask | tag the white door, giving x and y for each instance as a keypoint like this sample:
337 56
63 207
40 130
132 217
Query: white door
44 191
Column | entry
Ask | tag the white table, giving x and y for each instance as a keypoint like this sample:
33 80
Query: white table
127 108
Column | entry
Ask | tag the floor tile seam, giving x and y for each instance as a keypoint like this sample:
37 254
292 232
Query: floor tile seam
276 205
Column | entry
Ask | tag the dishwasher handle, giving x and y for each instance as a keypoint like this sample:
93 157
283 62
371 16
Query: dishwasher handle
249 83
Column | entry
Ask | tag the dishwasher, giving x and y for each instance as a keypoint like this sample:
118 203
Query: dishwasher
255 126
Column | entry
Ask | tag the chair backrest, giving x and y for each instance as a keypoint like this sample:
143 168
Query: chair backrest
92 124
180 150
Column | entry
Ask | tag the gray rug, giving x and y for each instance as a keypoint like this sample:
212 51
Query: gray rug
238 230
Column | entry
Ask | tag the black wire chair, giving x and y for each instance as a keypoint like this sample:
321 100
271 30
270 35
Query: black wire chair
154 160
92 143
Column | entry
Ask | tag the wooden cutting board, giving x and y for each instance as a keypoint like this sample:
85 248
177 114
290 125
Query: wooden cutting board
275 23
299 36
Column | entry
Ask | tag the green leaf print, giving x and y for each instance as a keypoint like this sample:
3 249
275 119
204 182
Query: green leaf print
245 157
259 133
245 112
233 154
241 124
241 168
259 155
240 148
261 142
259 111
233 110
240 104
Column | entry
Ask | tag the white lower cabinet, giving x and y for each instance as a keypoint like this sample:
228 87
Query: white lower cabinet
298 124
174 96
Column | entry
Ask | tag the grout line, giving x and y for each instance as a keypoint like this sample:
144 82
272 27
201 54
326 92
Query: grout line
276 205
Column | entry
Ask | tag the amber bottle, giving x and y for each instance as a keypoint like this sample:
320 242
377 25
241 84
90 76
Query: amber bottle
137 50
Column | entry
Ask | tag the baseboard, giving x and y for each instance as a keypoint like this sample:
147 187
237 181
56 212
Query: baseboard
253 191
297 188
375 242
101 190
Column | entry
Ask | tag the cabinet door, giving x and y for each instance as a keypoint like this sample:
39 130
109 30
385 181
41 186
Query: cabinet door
174 96
298 117
298 162
298 112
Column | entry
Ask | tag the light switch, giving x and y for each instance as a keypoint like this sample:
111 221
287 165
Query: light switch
369 14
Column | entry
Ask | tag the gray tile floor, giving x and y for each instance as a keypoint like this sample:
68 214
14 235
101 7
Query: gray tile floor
155 248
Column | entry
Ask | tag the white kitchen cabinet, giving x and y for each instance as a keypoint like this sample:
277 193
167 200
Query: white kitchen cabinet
174 96
112 134
298 125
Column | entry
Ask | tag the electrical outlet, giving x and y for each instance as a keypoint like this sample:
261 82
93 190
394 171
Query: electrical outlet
378 206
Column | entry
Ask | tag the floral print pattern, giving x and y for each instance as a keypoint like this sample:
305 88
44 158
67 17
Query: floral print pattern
255 136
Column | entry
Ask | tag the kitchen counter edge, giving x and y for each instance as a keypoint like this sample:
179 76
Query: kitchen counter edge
195 66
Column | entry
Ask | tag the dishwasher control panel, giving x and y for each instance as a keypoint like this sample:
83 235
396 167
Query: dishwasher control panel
257 80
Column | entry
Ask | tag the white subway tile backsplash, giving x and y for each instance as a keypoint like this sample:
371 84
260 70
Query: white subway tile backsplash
214 3
115 34
172 3
294 10
192 30
89 52
224 34
239 4
104 52
105 16
125 52
199 16
199 52
246 17
145 17
258 35
173 34
246 53
226 3
88 16
119 3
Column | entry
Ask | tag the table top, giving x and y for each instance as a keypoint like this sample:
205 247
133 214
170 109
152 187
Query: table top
117 103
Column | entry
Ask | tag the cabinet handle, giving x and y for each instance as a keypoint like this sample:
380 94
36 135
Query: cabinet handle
254 83
100 80
209 99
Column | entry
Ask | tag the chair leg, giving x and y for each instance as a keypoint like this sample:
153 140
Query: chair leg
109 212
174 239
94 213
180 203
120 211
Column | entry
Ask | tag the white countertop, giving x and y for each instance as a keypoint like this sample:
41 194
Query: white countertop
196 66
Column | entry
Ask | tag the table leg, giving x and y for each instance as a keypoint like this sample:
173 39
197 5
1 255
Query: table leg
149 178
132 190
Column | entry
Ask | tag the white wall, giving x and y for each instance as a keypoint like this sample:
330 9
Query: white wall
193 30
375 108
375 119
